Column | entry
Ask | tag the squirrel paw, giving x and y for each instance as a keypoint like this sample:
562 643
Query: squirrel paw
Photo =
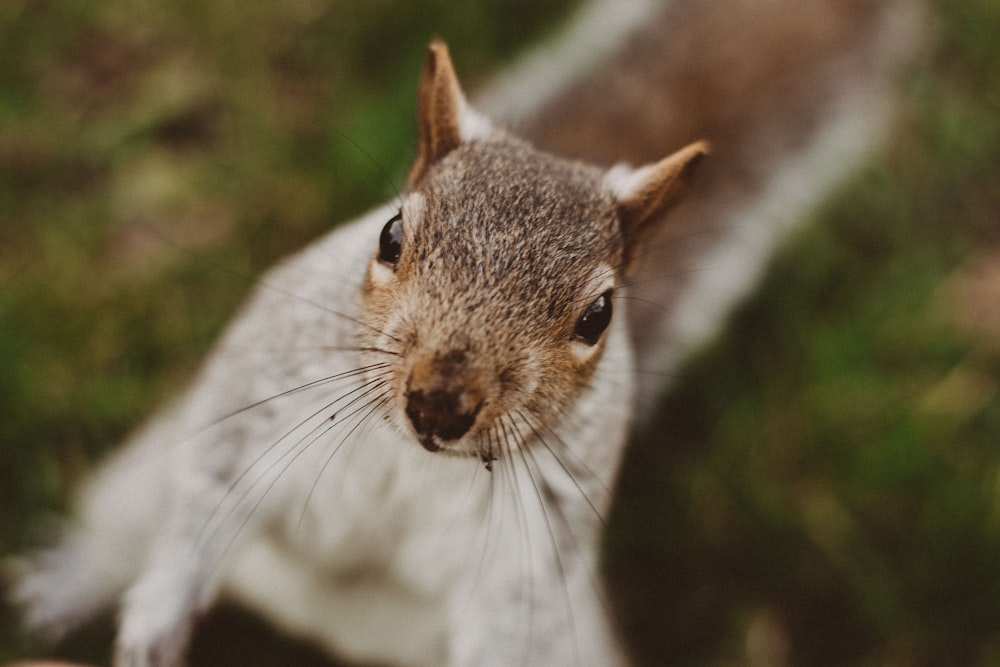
53 590
155 627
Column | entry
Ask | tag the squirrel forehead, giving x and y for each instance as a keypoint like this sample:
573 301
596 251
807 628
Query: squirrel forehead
519 200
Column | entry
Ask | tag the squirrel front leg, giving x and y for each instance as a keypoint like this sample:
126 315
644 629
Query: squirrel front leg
177 583
159 612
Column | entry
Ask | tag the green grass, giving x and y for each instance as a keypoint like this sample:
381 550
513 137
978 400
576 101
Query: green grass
832 461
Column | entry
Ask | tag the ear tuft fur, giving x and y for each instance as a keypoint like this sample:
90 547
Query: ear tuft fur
444 118
645 193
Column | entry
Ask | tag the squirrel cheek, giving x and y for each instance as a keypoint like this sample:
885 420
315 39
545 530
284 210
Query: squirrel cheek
380 276
586 355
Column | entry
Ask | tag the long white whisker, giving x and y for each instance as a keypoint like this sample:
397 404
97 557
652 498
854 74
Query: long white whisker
529 461
672 274
295 390
580 547
270 286
274 480
511 444
270 448
565 467
374 405
702 231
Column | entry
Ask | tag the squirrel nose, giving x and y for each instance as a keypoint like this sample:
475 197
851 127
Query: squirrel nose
444 394
438 415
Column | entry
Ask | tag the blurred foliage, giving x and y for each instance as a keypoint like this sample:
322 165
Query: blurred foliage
828 486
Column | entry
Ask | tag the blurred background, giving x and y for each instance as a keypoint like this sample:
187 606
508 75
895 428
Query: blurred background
830 491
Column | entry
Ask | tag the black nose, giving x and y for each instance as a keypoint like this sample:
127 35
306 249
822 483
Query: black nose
437 414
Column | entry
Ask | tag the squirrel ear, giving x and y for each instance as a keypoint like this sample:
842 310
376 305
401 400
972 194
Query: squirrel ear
444 118
645 193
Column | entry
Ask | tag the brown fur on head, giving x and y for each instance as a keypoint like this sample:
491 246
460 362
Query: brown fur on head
491 287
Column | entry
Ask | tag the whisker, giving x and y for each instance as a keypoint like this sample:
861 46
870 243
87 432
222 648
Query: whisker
374 405
649 249
528 458
383 371
647 302
566 468
254 280
474 478
302 448
296 446
492 437
312 349
486 533
581 548
378 350
672 274
378 165
494 514
294 390
652 248
510 436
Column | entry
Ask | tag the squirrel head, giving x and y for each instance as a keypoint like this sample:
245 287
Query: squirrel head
492 288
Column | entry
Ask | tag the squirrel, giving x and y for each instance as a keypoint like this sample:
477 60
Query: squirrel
420 474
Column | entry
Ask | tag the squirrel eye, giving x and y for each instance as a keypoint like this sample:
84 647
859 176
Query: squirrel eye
594 320
390 242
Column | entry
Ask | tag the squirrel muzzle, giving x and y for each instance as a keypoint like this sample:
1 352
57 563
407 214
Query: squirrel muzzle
443 399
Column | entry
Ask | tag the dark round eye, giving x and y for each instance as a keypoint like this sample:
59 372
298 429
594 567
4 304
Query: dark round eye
390 242
594 320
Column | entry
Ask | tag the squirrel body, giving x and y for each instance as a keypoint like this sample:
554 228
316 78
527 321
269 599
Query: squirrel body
406 443
474 325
